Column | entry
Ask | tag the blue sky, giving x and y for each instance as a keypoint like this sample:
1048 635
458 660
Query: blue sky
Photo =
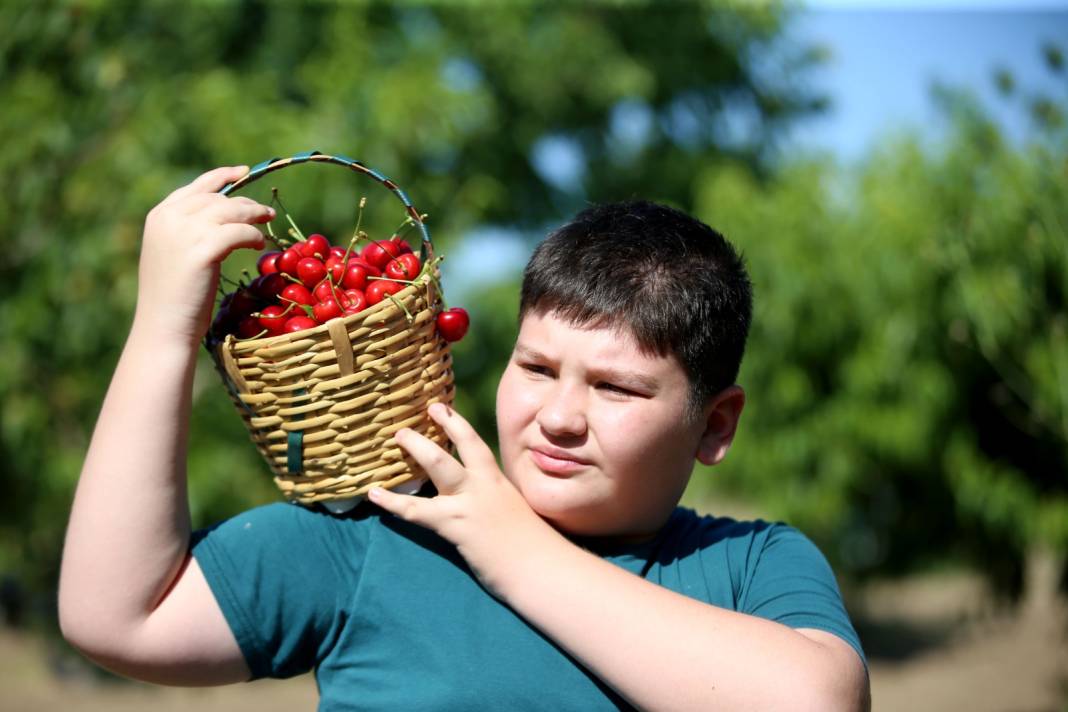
883 63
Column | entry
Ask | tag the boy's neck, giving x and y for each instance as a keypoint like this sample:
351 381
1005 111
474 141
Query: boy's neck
618 543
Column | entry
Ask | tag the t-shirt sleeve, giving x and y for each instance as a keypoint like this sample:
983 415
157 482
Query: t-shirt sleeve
278 584
792 583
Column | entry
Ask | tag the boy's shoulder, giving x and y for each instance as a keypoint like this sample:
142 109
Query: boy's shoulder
706 531
748 549
764 568
274 519
284 532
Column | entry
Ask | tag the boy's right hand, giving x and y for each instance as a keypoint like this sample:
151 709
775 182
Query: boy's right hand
187 236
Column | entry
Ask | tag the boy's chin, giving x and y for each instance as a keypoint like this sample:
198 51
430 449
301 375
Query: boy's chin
567 514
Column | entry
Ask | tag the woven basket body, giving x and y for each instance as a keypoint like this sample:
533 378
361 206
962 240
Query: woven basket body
322 405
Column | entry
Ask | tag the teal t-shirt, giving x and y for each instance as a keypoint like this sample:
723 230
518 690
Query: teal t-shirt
390 617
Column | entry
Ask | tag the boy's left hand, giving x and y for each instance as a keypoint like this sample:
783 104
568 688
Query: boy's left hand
477 508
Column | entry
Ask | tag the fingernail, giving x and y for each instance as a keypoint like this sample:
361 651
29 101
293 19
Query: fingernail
374 493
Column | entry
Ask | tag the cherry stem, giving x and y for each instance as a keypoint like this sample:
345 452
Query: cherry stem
407 314
333 289
441 292
250 338
348 250
390 279
273 239
359 221
278 316
408 224
276 198
307 309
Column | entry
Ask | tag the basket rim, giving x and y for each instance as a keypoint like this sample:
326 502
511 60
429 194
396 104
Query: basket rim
421 282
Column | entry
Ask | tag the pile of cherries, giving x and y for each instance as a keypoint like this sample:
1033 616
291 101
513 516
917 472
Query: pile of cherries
311 282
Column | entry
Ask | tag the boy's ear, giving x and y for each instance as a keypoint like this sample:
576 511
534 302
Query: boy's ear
721 422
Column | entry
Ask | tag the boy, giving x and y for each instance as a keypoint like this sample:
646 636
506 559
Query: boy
565 579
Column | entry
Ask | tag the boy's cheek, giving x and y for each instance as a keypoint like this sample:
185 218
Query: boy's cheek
514 402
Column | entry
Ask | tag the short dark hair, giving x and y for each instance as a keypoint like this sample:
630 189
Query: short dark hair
678 285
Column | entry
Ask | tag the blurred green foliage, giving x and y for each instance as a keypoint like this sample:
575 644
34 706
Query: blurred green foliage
908 369
110 106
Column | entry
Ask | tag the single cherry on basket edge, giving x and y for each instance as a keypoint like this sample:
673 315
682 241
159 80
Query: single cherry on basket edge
453 323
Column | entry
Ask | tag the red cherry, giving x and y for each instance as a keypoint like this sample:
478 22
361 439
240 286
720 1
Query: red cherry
297 293
273 319
405 266
372 271
355 276
378 253
326 310
311 271
222 324
453 323
268 286
335 267
316 246
243 303
402 245
378 289
268 262
354 301
249 327
287 261
299 323
324 290
337 251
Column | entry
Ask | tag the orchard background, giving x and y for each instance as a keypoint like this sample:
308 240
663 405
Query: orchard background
908 367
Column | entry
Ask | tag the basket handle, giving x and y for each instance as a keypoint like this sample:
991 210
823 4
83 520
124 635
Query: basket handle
274 164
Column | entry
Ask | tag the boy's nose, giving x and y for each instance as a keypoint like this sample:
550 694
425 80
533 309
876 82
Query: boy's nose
563 414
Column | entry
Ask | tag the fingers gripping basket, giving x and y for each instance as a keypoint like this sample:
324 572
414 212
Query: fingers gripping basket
322 405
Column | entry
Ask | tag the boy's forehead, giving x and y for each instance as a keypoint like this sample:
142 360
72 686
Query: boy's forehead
608 344
608 329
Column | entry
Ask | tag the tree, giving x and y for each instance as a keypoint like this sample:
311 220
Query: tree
908 370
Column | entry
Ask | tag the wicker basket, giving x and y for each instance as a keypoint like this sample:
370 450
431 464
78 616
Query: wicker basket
322 405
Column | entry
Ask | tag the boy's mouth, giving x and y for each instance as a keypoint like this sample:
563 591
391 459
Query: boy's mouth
554 461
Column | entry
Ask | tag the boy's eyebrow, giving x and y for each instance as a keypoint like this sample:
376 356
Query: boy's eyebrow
609 374
530 353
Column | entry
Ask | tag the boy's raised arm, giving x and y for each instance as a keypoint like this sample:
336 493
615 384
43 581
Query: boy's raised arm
130 597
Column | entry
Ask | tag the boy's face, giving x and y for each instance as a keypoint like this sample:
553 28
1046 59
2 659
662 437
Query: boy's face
593 432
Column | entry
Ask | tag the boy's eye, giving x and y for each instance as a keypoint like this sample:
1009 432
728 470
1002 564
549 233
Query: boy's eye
616 390
535 369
